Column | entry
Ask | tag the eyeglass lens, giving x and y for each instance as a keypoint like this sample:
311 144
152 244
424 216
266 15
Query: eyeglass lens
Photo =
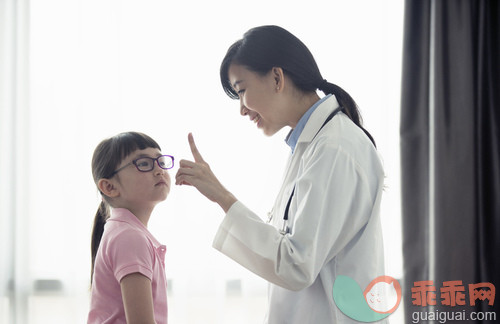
147 164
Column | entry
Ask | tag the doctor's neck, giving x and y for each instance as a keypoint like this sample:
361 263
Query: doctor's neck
299 105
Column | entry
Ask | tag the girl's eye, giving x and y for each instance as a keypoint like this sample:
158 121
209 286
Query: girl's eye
241 91
143 164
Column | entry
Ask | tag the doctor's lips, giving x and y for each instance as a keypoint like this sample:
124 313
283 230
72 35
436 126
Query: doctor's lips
255 119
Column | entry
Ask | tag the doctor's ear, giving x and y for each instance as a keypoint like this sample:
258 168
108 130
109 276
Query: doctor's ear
108 188
278 77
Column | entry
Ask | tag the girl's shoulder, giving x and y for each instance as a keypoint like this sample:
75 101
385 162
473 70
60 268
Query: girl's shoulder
125 236
127 250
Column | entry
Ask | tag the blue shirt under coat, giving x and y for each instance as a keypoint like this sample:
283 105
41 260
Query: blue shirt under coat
294 134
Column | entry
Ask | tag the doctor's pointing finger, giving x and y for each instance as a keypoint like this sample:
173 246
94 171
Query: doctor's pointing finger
199 175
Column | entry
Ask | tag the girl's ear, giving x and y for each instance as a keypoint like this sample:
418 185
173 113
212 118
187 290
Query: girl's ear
279 78
107 187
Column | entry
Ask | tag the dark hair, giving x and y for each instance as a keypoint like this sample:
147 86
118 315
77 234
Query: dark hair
107 157
265 47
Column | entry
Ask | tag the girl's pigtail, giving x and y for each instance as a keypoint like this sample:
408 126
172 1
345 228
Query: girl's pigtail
100 218
347 103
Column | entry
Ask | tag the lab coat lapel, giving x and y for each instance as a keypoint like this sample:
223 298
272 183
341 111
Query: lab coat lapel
317 118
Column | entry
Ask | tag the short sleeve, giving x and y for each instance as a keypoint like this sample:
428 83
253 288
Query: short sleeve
131 252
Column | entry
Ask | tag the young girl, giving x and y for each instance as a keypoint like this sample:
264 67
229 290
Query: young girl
128 270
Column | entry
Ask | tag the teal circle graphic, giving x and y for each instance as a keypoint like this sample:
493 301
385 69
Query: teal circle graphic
348 297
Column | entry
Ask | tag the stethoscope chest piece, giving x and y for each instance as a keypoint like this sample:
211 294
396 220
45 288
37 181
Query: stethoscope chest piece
284 229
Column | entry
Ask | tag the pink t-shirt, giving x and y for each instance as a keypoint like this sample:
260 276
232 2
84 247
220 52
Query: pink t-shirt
126 247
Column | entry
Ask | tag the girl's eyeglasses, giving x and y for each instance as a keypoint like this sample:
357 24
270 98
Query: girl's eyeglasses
146 164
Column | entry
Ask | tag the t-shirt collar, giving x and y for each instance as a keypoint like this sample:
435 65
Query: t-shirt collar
126 216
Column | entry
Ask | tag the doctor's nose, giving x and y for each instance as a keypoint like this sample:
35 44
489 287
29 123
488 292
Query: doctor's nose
243 110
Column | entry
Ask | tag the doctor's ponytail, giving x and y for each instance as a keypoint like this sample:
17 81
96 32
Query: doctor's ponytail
265 47
350 108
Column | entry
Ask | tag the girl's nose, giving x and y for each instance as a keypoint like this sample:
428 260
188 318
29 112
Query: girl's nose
157 169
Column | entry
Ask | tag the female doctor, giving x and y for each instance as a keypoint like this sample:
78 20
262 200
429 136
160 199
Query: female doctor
325 220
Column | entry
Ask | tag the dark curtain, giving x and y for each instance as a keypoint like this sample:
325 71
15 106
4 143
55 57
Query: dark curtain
450 149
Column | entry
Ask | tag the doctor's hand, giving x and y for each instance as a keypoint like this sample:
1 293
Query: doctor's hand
199 175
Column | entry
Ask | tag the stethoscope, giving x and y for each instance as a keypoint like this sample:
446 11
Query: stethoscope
284 229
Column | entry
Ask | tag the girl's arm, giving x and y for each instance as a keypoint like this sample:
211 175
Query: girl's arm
137 299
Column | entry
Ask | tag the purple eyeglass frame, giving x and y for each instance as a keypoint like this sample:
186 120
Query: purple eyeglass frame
134 162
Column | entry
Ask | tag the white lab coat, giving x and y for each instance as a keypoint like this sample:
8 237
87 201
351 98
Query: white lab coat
334 225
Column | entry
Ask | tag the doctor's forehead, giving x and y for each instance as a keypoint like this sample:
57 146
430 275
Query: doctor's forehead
237 74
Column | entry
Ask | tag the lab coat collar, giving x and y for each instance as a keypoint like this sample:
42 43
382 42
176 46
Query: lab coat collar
294 134
317 119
